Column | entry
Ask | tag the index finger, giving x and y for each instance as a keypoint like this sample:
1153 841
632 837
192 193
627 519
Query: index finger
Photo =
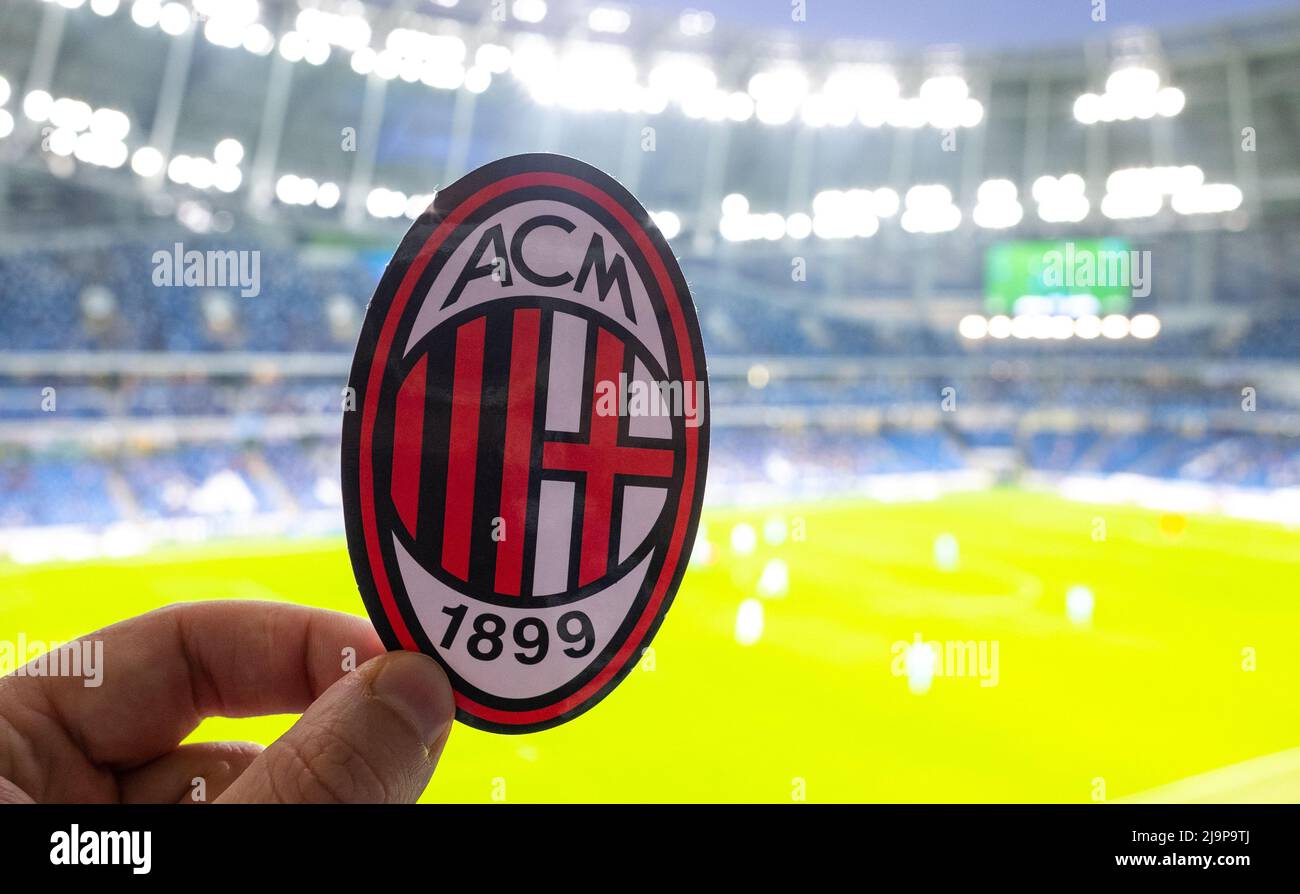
165 671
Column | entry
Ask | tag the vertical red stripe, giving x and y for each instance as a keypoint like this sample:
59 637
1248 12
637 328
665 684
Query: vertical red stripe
408 445
518 449
462 451
599 498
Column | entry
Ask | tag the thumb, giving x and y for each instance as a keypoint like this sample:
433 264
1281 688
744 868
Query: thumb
373 737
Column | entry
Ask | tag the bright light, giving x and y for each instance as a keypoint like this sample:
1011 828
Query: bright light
999 326
1061 199
477 79
71 113
1170 101
947 552
179 168
609 20
1087 326
227 178
668 223
328 195
1144 326
1208 198
918 663
258 40
758 376
744 539
6 123
293 46
384 202
1114 326
229 152
104 7
973 326
493 57
735 204
798 225
774 582
174 19
37 105
694 22
928 208
996 205
146 13
147 161
5 91
1131 92
110 124
531 11
749 622
1079 605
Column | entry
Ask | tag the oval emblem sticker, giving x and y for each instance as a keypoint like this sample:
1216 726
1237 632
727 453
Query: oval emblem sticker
524 467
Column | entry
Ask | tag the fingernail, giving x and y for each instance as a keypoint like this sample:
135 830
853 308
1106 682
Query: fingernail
415 687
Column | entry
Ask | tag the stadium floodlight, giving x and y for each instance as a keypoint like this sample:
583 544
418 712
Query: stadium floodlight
999 326
1144 326
1170 101
442 74
147 161
973 326
477 79
63 141
609 20
798 225
317 52
943 102
227 178
668 223
110 124
174 19
493 57
37 105
104 7
682 77
328 195
293 46
1087 326
928 208
146 13
530 11
1207 198
1114 326
695 22
178 169
71 113
258 40
363 60
778 93
351 32
996 205
6 123
734 205
1061 199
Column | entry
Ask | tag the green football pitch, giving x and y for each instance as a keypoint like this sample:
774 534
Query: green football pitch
1183 660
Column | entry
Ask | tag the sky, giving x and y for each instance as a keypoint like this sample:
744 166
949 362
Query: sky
975 24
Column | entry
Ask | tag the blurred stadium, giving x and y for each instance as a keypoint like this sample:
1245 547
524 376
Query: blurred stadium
919 435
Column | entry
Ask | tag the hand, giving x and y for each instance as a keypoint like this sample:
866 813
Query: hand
372 735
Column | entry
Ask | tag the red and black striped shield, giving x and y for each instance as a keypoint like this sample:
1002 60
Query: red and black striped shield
524 467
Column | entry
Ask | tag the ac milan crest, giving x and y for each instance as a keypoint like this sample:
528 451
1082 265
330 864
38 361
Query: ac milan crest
524 468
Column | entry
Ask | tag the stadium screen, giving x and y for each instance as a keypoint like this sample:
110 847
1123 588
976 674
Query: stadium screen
1043 277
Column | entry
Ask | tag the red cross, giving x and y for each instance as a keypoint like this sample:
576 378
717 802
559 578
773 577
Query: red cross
600 459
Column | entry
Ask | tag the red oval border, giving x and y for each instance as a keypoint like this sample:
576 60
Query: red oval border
378 364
